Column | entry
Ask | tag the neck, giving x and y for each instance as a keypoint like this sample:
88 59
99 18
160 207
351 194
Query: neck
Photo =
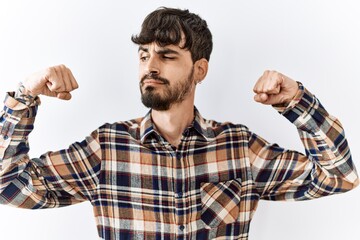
173 122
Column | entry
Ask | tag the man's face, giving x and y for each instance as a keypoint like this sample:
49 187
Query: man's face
166 75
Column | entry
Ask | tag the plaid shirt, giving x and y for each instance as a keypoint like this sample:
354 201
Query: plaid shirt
208 187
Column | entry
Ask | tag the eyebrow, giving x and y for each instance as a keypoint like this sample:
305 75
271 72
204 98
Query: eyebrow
141 48
161 51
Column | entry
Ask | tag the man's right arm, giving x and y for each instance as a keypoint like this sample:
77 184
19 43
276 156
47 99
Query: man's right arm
56 178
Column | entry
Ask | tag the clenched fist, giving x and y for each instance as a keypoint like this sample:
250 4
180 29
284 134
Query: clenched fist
56 81
274 88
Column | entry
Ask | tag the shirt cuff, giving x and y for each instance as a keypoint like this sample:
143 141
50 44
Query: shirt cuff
300 104
20 109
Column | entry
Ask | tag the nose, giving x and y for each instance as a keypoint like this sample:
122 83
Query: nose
152 66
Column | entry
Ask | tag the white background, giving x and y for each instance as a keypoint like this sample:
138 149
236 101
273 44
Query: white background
312 41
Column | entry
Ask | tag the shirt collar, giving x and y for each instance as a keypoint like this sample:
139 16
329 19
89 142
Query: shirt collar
201 126
146 127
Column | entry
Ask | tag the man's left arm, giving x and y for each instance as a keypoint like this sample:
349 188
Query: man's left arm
327 167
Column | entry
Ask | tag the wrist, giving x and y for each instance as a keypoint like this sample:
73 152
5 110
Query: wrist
23 95
295 90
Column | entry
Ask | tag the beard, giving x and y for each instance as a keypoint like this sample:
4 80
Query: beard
171 94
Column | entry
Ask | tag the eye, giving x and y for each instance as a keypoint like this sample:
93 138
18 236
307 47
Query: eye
143 58
168 57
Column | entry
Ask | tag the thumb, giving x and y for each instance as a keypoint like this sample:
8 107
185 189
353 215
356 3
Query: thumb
261 97
269 99
64 95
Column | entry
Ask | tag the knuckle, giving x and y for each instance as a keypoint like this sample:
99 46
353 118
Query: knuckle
62 66
49 71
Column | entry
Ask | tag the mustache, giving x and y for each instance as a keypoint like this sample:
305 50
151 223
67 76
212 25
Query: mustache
155 77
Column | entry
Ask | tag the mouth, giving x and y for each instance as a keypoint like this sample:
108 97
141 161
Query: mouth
152 82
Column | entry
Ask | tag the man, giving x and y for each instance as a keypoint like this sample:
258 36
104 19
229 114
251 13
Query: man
172 174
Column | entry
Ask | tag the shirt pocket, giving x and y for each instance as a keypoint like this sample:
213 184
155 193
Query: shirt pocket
220 202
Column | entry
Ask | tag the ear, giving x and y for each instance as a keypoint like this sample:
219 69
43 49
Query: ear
200 69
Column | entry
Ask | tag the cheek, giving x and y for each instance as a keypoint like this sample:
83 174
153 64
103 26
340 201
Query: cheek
141 72
177 73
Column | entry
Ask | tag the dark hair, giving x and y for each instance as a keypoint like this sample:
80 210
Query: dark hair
167 26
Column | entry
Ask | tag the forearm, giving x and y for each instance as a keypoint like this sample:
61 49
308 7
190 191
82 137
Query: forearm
17 174
16 123
325 144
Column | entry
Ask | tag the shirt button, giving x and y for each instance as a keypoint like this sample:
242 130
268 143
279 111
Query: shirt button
182 227
6 137
179 194
178 156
